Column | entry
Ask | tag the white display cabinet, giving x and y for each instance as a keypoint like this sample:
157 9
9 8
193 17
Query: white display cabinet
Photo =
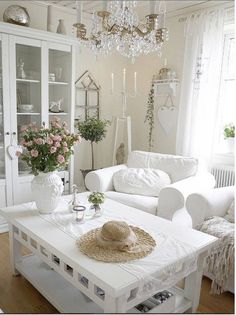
36 86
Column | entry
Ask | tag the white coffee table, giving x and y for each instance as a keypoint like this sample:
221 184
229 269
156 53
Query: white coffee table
70 280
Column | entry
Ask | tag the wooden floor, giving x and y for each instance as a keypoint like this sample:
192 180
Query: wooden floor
17 295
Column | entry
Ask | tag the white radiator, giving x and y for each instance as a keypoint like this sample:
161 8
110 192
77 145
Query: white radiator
224 176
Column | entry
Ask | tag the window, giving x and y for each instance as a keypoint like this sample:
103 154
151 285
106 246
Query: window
227 94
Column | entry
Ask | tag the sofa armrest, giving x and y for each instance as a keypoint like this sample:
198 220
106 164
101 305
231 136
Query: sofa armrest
101 180
173 197
208 203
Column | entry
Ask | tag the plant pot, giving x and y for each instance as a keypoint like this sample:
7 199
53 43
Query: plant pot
47 189
229 144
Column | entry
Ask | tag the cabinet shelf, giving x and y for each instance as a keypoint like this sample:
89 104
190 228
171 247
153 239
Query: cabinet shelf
27 81
30 114
58 114
57 83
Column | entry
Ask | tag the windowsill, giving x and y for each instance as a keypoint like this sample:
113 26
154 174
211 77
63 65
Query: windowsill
226 159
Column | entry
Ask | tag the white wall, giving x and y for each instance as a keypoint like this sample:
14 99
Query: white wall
146 67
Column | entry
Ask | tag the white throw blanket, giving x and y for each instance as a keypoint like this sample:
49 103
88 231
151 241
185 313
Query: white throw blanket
220 262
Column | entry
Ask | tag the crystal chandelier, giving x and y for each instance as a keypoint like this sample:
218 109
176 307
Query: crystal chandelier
118 27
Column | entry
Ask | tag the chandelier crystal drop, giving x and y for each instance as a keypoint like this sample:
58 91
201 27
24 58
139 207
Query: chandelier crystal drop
118 27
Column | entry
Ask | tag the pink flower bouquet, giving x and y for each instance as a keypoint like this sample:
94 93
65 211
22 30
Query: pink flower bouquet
48 149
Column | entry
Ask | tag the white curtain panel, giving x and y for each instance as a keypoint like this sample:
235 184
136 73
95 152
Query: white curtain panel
200 84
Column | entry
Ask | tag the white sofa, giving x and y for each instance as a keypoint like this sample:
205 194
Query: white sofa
214 202
187 177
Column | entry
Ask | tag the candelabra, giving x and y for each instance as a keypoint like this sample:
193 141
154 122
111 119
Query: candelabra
124 119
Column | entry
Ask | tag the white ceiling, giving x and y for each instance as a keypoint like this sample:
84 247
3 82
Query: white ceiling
90 6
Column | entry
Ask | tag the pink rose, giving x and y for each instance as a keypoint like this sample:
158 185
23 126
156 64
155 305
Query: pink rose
57 144
57 138
38 141
34 153
67 132
24 128
60 159
64 144
34 128
18 153
56 125
53 149
49 141
23 143
66 149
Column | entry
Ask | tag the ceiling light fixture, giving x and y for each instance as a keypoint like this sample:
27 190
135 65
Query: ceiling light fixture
117 26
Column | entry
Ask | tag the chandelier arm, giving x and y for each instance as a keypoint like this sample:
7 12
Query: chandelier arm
141 33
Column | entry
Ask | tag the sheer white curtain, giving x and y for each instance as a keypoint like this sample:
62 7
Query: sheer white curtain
200 84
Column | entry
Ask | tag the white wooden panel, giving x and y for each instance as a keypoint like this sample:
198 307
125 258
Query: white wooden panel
7 117
3 199
61 47
44 83
22 191
26 41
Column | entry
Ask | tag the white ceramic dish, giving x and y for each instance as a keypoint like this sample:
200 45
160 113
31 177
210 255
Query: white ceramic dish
25 107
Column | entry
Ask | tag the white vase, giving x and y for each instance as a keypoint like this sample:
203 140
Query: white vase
47 189
229 144
61 27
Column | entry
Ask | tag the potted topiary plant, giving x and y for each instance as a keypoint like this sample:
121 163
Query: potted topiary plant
93 130
229 134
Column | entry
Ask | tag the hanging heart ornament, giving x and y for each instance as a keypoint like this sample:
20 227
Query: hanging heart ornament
167 117
14 151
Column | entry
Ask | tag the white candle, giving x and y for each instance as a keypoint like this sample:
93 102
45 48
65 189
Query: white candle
135 82
152 5
49 19
124 79
112 82
79 9
104 5
165 62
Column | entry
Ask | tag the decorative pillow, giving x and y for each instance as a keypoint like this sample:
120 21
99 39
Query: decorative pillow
230 213
140 181
177 167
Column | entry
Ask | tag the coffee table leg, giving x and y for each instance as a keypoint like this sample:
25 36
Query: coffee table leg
193 282
115 305
15 253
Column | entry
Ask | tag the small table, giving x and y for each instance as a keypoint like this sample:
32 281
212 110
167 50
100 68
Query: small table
71 281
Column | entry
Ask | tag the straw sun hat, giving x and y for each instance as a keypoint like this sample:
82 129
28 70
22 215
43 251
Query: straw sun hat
116 241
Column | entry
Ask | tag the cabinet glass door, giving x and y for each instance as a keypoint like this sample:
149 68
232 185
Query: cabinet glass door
2 150
59 85
28 92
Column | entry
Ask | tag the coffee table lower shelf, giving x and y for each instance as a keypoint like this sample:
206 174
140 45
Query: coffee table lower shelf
68 299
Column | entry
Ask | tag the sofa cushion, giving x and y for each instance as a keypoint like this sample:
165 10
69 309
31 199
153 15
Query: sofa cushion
140 181
177 167
145 203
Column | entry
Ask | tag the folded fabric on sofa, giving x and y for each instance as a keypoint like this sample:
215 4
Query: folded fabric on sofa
220 261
